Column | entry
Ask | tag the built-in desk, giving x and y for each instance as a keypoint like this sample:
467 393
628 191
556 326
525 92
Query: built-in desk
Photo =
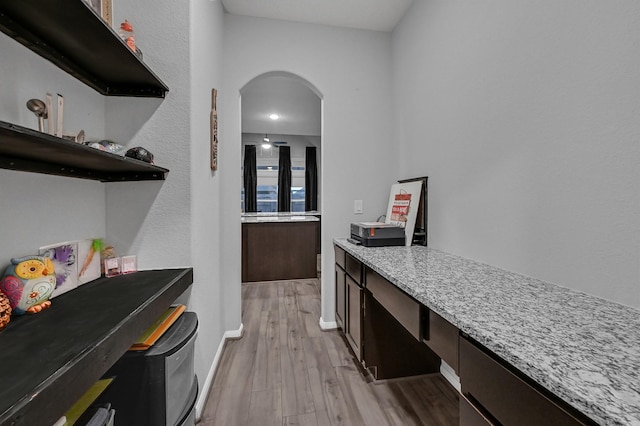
50 359
575 348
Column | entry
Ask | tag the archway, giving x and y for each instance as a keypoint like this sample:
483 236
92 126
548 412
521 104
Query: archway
280 112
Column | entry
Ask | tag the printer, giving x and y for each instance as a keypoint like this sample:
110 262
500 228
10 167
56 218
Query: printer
376 234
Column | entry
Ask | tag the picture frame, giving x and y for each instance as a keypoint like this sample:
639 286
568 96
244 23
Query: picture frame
214 130
402 209
104 9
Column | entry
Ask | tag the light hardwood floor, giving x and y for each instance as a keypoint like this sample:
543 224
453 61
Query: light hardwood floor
286 371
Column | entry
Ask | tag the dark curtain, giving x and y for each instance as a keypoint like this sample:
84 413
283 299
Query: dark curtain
310 180
284 179
250 179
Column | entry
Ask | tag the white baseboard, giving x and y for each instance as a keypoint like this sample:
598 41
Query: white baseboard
206 387
449 373
328 325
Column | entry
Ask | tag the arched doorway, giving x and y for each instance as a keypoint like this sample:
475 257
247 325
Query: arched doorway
280 118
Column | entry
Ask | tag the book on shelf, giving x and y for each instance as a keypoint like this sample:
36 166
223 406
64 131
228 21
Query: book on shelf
158 328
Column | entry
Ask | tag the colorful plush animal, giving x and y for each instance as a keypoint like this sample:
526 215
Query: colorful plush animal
28 283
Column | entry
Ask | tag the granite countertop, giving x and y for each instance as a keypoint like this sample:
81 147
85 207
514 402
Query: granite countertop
280 217
584 349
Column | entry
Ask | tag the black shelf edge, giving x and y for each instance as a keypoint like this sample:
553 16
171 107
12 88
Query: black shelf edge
72 36
28 150
50 359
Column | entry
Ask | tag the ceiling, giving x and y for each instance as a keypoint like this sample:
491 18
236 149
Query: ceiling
376 15
298 107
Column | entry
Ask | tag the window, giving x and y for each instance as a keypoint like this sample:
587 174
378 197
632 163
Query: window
267 190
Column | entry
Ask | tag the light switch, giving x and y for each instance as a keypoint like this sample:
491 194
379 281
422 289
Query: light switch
357 206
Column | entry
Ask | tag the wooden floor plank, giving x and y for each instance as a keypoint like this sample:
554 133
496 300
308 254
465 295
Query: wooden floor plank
296 392
265 408
267 361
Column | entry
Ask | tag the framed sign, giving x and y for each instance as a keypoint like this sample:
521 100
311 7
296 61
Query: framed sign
214 131
403 206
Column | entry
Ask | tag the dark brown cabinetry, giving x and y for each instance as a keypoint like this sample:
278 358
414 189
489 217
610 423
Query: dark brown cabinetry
279 250
392 333
340 280
382 324
499 393
442 337
349 299
354 304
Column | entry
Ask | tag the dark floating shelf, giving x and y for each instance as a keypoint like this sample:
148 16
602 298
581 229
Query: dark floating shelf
73 37
28 150
49 360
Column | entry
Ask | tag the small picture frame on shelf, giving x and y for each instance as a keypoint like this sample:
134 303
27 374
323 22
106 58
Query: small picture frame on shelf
104 9
128 264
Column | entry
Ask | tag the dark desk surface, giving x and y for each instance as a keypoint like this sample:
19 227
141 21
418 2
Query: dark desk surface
50 359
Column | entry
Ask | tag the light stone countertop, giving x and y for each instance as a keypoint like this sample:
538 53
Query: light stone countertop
584 349
280 217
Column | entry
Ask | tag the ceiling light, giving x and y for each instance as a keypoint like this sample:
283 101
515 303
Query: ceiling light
266 138
274 116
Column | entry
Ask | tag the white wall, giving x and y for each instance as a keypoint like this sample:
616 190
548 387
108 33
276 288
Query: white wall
525 118
351 70
37 209
176 222
206 242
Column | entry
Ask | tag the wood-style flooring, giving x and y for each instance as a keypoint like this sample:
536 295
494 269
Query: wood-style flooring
286 371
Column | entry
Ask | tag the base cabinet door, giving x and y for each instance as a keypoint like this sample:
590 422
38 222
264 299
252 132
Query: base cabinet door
442 337
471 416
506 396
353 330
341 297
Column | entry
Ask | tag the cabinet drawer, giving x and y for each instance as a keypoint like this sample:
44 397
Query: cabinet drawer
507 397
442 337
470 416
353 268
400 305
340 255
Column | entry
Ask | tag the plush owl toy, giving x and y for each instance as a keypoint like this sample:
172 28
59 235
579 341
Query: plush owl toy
28 283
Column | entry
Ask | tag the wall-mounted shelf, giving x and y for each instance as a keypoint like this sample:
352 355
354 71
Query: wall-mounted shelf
28 150
73 37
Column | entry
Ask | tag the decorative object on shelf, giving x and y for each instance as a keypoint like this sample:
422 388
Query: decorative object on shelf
214 130
128 264
140 153
109 261
90 269
5 310
78 138
39 108
65 261
126 33
60 118
28 283
49 106
108 146
103 8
